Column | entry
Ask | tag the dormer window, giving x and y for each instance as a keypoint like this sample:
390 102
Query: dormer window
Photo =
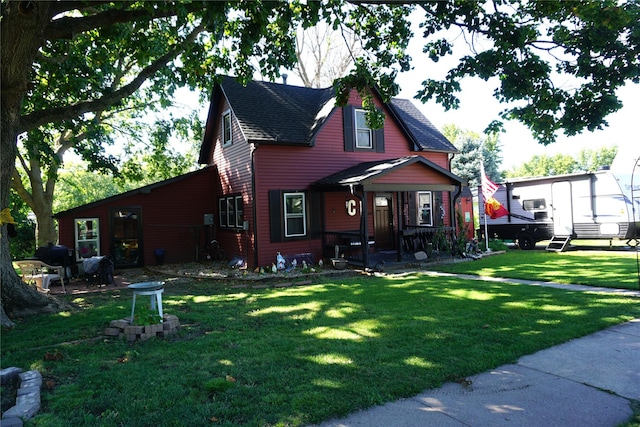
363 132
226 128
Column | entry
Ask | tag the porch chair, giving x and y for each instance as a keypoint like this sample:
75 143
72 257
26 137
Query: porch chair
39 274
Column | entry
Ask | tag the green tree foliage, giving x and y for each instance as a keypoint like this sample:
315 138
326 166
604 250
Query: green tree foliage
523 44
559 164
591 160
473 149
78 186
23 243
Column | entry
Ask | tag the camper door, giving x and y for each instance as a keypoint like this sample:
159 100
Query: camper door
562 208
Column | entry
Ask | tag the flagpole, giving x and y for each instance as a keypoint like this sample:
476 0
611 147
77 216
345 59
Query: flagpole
484 203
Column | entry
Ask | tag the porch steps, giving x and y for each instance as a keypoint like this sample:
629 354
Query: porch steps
558 243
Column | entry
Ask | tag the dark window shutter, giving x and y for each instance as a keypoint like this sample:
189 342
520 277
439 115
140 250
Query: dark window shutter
275 215
437 202
347 124
315 214
378 140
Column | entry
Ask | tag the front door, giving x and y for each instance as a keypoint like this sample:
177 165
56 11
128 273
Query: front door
383 223
126 236
562 209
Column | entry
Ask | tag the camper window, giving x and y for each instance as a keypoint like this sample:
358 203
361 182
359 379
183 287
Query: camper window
534 205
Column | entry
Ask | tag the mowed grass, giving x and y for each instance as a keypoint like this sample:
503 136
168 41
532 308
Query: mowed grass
609 269
292 356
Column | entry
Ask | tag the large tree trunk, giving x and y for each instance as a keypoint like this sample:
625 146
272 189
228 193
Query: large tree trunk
21 37
46 232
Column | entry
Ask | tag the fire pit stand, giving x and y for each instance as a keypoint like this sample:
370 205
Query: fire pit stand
154 290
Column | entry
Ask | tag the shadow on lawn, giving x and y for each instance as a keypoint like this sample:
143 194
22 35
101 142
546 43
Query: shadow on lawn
304 354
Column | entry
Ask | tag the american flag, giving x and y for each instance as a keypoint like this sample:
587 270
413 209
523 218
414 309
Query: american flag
488 186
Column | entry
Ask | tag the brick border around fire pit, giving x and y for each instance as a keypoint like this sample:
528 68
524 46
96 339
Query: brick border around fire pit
123 329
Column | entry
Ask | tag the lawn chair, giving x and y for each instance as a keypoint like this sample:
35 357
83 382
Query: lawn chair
40 274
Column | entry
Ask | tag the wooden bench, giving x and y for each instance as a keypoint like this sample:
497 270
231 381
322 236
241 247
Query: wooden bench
39 274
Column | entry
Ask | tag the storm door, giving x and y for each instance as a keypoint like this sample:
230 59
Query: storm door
383 222
126 236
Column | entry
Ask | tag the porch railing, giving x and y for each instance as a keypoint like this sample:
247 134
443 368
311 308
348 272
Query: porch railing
412 239
427 239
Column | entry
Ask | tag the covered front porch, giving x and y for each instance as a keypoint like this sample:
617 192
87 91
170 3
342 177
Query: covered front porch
388 210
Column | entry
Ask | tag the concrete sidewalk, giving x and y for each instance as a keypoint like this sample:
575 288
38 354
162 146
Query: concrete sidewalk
588 381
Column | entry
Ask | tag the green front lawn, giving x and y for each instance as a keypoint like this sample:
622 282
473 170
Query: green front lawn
292 356
595 268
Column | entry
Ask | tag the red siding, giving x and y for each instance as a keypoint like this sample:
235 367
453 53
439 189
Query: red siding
292 168
234 164
172 217
336 217
413 174
465 205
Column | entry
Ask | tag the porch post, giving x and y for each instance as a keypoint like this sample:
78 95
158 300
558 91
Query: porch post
364 232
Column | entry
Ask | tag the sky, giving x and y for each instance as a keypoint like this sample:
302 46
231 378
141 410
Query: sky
478 108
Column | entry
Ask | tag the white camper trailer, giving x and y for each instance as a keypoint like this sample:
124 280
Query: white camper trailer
595 205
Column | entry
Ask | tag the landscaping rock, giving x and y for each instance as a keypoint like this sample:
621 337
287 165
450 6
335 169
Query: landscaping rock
121 328
24 412
28 400
12 422
8 375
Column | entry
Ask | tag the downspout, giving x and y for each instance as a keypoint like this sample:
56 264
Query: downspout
452 201
254 208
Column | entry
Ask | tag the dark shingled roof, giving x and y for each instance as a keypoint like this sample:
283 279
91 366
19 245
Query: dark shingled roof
270 112
292 115
423 132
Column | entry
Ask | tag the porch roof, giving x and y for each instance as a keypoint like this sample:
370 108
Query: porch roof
375 175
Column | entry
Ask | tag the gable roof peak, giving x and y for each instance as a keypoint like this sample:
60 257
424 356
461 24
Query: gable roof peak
275 112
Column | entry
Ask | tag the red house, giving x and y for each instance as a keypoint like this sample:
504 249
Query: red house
167 217
299 175
287 171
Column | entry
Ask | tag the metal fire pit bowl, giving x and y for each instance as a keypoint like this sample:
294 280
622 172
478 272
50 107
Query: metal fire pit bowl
147 286
152 289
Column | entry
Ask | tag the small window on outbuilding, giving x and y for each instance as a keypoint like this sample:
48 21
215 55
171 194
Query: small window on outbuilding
87 231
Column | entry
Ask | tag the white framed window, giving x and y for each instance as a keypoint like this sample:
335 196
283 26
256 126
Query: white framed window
364 137
227 136
231 211
295 218
425 215
87 231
